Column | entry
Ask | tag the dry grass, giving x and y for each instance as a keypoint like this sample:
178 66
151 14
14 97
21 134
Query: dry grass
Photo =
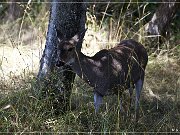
23 111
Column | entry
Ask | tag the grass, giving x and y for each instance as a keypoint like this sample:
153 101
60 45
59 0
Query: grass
22 110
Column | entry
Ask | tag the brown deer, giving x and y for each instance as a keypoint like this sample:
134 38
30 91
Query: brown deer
108 70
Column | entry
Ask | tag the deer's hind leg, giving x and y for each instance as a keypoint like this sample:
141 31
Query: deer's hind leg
131 96
138 87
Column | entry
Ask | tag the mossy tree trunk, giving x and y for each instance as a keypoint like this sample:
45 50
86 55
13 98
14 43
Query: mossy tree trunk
69 18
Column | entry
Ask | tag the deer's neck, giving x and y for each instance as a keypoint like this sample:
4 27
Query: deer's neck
83 67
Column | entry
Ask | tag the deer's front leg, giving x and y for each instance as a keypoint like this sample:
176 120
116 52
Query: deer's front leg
97 101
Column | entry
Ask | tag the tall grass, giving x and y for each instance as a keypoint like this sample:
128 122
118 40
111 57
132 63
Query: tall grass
22 110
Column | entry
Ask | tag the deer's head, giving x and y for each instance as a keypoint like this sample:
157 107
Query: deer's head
67 49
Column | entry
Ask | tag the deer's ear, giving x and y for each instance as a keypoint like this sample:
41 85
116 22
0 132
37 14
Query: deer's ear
78 36
75 39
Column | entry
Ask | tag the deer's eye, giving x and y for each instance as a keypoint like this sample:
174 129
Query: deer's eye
70 49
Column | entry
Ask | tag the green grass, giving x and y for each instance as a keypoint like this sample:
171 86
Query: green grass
23 111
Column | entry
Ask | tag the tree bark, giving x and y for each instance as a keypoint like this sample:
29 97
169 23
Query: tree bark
162 18
69 18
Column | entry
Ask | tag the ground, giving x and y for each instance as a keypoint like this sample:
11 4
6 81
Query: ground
22 111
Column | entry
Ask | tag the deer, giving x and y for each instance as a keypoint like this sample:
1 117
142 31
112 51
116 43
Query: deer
108 71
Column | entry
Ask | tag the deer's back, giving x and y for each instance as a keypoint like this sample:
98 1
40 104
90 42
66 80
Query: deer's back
122 65
139 52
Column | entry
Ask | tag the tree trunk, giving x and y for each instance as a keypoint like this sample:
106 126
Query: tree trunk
162 18
69 18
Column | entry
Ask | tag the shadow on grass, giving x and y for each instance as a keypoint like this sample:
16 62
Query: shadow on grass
23 111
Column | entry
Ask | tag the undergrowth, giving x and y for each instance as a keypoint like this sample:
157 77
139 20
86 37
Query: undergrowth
22 110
